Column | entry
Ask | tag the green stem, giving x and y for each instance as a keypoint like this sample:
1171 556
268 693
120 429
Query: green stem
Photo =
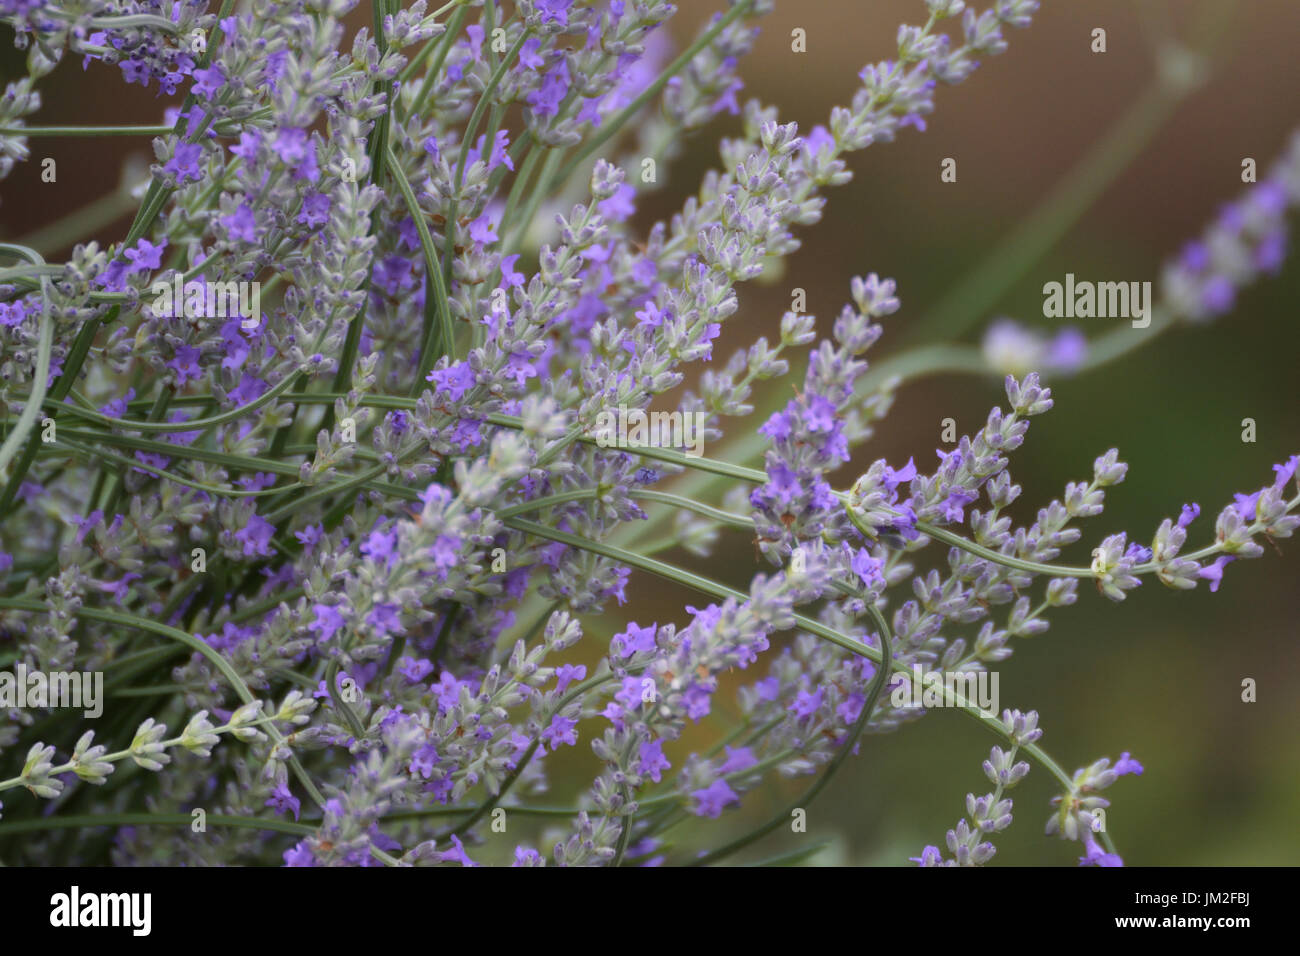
445 43
86 131
855 734
194 424
443 326
193 643
722 592
40 824
32 407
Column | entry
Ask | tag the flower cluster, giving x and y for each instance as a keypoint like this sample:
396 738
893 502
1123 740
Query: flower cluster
321 428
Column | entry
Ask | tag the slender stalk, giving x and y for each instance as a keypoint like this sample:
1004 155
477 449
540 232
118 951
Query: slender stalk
214 658
89 820
32 408
442 328
846 748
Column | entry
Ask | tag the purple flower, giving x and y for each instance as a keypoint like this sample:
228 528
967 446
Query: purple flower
208 82
1218 295
1095 856
454 380
445 552
381 547
528 57
1285 472
1137 554
186 364
282 801
423 761
481 229
930 856
1213 572
299 855
806 704
255 537
619 206
184 164
415 671
315 210
1068 350
246 149
500 155
737 759
526 856
651 761
1195 257
951 506
892 479
554 11
241 224
710 801
651 316
635 640
145 257
818 138
1126 765
447 689
1245 505
867 568
385 619
457 855
328 622
697 699
560 730
566 674
545 101
291 144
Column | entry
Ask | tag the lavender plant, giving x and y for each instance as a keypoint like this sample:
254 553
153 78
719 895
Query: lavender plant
313 458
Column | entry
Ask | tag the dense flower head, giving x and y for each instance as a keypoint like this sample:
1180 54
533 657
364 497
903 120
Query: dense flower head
334 420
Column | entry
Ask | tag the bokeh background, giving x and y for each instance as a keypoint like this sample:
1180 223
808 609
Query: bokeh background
1159 675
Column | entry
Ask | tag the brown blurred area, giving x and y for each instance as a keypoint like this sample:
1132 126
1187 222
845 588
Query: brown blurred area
1159 675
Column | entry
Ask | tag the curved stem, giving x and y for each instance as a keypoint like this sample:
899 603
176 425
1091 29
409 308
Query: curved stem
433 270
32 408
108 421
486 806
149 819
869 705
193 643
721 591
997 557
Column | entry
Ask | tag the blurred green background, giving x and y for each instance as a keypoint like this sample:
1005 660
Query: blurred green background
1158 675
